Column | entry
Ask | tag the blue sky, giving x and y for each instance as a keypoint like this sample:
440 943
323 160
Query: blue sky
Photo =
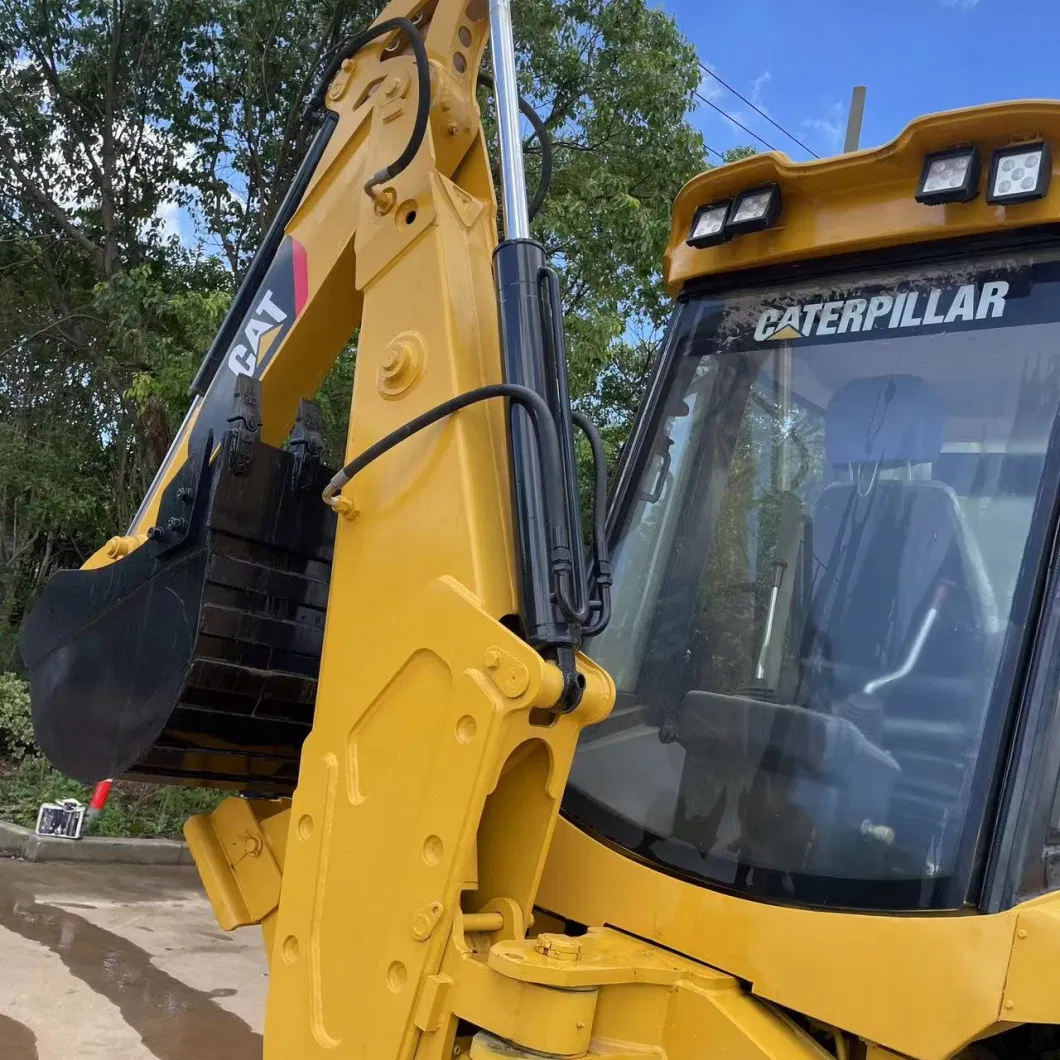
799 59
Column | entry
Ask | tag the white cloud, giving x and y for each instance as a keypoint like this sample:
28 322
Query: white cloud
709 87
757 85
168 214
961 5
831 125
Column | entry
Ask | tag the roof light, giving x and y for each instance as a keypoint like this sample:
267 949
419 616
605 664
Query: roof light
949 176
1019 174
708 226
754 209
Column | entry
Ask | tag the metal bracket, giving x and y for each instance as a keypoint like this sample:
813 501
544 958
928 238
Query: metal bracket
306 444
244 425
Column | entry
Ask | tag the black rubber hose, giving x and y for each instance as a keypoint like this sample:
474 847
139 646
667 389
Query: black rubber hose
544 138
423 97
601 575
544 427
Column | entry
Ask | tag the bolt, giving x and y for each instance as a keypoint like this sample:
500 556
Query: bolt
156 533
395 359
1022 933
559 947
452 128
391 87
493 659
1010 1004
176 525
185 494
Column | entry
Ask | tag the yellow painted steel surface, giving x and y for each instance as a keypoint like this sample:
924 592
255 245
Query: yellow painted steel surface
408 863
865 200
921 984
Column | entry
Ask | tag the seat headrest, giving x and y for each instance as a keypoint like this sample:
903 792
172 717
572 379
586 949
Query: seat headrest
884 419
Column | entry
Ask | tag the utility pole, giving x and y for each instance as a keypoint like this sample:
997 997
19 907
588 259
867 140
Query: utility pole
857 112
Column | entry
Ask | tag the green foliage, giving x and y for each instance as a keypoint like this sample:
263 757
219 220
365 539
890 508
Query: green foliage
16 724
114 115
736 154
143 810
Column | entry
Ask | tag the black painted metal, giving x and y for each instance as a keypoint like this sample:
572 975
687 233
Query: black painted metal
195 658
576 609
522 316
259 266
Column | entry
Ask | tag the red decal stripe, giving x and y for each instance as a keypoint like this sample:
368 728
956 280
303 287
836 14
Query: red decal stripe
301 276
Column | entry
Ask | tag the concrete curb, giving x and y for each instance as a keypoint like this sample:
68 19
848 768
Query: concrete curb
19 842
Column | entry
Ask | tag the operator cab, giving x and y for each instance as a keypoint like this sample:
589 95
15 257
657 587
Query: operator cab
828 542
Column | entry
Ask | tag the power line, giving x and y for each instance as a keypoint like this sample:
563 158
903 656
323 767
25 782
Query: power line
727 115
758 110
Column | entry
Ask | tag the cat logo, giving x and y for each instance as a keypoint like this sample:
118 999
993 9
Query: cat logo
259 332
884 312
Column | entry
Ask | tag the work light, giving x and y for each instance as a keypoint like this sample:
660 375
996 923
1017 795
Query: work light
754 209
949 176
708 226
1019 174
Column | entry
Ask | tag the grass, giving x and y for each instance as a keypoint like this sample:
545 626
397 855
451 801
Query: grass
133 809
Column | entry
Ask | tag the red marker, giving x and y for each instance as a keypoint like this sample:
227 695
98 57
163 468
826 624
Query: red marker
99 800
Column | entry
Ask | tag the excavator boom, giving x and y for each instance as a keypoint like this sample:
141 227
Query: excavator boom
810 814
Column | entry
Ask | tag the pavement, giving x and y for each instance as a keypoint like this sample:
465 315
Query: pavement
123 962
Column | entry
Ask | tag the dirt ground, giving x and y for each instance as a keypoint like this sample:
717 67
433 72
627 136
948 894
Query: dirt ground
115 962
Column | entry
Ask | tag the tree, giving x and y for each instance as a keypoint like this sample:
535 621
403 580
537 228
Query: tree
116 113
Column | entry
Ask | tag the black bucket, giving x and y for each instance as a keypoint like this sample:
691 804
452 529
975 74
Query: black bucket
194 659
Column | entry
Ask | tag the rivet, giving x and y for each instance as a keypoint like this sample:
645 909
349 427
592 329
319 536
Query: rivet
433 849
1022 933
396 976
1010 1004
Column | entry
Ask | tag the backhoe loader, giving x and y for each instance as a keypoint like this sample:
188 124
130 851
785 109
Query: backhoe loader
787 788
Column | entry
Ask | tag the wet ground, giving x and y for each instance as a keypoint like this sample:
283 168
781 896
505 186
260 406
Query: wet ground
123 963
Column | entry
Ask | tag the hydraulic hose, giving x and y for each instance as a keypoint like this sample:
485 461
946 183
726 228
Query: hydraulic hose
423 94
544 138
548 448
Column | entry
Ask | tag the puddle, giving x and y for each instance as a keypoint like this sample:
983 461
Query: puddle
17 1040
175 1021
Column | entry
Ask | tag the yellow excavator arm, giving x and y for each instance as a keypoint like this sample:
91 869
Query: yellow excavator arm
793 838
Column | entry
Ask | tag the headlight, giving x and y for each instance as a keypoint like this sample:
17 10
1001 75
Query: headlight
708 226
755 209
949 176
1019 174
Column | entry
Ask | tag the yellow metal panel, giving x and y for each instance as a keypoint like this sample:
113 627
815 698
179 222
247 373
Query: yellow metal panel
1032 992
922 985
236 861
864 200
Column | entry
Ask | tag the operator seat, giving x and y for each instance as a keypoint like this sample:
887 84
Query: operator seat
886 538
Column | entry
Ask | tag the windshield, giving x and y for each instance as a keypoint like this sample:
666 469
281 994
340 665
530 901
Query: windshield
817 565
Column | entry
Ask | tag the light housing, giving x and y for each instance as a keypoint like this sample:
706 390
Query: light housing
708 225
754 209
949 176
1019 173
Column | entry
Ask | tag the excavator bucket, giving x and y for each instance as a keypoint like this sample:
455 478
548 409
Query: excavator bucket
194 659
